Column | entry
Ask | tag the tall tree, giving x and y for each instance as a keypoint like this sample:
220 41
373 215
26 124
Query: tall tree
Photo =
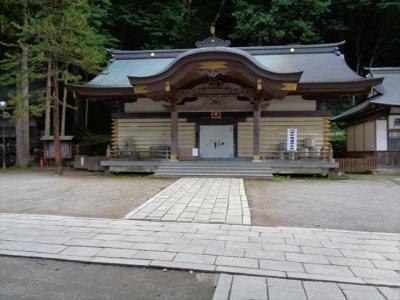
15 65
371 30
67 34
22 123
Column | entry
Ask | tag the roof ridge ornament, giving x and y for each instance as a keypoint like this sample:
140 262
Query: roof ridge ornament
212 41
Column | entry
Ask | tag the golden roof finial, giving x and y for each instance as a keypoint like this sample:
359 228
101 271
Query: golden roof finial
212 30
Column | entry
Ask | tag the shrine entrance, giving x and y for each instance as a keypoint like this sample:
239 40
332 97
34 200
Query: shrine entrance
216 141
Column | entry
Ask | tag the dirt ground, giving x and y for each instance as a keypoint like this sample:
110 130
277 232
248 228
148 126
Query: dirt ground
39 279
76 193
367 203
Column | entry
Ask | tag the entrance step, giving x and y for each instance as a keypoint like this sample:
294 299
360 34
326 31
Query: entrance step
236 169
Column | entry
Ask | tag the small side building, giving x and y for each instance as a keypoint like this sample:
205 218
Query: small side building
373 126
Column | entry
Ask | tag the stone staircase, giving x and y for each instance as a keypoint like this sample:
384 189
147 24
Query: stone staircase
235 169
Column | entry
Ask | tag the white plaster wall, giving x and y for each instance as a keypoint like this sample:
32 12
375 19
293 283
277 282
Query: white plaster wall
381 135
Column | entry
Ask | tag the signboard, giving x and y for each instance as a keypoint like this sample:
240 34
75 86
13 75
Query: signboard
66 151
195 151
216 115
291 144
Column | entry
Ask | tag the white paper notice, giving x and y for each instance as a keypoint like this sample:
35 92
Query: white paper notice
291 139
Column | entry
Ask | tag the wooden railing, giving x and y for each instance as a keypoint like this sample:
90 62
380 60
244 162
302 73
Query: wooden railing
362 162
321 155
154 152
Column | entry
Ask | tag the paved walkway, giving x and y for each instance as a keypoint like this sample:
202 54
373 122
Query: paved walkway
239 287
297 253
204 200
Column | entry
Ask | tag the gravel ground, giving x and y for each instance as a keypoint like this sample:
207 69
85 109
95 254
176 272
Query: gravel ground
76 193
39 279
371 204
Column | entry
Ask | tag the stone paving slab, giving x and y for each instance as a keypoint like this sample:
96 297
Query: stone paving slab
282 252
201 200
241 287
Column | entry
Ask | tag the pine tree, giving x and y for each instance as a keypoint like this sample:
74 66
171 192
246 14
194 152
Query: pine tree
16 70
66 33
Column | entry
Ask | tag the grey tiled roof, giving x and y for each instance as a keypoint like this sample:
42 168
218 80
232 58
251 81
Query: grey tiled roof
388 93
319 63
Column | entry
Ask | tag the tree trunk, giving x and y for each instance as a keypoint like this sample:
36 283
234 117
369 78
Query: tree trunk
64 110
22 108
56 119
48 102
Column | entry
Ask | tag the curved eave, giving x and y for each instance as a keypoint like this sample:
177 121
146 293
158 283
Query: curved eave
220 53
99 91
253 50
369 108
346 87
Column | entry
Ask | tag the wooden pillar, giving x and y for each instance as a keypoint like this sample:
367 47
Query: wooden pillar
120 107
321 105
256 131
174 132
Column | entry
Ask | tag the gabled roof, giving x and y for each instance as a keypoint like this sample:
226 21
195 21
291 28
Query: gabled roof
322 67
385 94
319 63
215 53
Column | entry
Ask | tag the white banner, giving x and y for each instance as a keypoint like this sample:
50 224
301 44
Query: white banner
291 144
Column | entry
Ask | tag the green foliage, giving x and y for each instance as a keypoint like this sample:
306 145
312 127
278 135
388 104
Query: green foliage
371 30
94 144
279 21
336 108
156 24
16 34
69 29
62 28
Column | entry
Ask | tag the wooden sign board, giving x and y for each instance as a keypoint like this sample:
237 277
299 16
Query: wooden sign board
216 115
66 150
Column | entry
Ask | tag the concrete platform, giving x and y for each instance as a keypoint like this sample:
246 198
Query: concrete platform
220 168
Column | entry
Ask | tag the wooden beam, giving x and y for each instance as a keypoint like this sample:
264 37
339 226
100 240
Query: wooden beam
174 131
256 131
246 107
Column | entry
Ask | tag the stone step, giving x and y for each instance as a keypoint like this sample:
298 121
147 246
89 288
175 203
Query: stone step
248 166
211 172
215 170
229 163
260 176
214 173
224 168
237 169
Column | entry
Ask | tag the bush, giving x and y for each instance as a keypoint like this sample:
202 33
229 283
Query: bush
94 144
